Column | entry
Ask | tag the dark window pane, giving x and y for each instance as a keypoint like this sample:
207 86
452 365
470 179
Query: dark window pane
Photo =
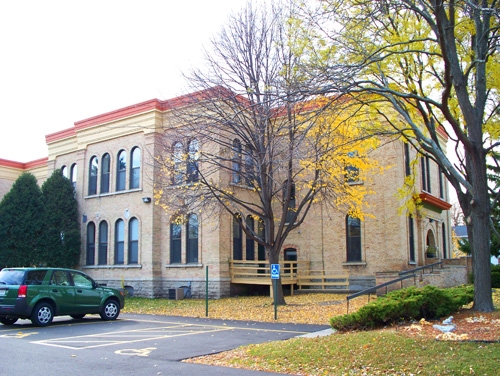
353 239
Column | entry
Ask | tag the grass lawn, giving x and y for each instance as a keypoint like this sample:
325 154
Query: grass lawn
377 352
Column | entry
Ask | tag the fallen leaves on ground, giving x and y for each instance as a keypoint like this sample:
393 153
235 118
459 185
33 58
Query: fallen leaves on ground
301 308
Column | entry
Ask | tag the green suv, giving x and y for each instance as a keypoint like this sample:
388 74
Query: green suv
39 294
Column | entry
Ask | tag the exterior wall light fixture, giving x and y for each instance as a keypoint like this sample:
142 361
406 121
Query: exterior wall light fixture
146 200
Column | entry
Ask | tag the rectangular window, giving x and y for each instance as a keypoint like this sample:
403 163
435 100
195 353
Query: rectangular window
133 252
103 244
120 242
90 244
353 239
175 243
411 239
237 241
407 160
250 243
426 176
441 183
192 239
133 241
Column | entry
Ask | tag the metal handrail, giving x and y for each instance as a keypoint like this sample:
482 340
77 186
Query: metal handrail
431 266
411 273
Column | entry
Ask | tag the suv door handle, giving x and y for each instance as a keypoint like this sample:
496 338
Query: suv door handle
55 290
79 290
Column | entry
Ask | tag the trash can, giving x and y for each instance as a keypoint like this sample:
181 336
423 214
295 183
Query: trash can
187 291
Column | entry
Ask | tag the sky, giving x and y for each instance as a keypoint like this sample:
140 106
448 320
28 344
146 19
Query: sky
62 61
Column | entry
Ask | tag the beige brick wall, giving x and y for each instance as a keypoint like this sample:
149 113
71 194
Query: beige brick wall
320 240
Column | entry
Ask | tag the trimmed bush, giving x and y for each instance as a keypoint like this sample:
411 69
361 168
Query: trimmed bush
411 303
495 278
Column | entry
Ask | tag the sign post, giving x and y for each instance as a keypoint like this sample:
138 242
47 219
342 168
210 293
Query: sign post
275 275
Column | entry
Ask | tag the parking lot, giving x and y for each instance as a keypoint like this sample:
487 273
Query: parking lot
132 345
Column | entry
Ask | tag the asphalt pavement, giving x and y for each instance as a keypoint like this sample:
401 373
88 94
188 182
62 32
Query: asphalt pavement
134 344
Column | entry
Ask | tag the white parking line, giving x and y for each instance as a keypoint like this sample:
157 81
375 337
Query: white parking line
130 336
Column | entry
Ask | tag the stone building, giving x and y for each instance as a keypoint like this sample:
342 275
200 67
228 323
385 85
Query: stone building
129 241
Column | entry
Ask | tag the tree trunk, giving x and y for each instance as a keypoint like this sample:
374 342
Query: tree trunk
476 207
274 259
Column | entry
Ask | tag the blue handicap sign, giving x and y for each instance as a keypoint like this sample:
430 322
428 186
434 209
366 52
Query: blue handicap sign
275 271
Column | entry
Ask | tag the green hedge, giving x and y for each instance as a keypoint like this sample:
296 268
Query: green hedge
415 303
495 276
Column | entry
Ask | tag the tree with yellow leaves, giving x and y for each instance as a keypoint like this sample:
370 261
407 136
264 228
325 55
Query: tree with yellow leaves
435 64
262 150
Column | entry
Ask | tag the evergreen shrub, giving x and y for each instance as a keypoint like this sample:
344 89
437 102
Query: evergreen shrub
495 276
411 303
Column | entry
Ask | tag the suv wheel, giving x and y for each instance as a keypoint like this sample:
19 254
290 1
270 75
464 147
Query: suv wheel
6 320
110 310
42 314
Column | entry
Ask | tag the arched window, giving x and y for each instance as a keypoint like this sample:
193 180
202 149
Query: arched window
135 168
64 171
431 245
250 243
353 239
178 151
120 242
121 170
90 244
175 242
133 241
192 239
93 173
249 167
192 162
105 171
237 240
103 243
236 163
74 171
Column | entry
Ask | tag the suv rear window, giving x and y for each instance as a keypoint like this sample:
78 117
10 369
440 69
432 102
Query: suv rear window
16 277
12 277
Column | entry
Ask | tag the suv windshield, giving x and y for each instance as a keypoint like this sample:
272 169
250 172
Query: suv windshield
11 277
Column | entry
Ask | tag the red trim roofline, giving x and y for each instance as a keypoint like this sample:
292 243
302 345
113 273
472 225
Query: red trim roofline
60 135
150 105
153 104
24 166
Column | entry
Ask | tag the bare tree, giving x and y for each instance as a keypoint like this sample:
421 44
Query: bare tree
434 63
263 149
457 217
